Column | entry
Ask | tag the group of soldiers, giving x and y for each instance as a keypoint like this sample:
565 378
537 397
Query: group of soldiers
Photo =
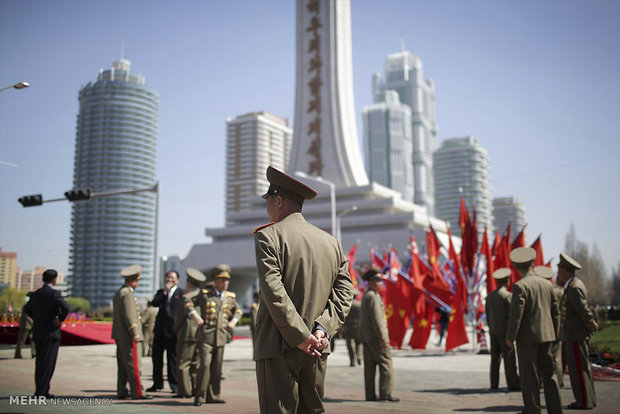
551 325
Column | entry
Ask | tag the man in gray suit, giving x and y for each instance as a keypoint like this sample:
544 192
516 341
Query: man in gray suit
497 310
577 325
305 296
533 323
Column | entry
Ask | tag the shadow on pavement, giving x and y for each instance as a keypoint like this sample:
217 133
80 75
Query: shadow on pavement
462 391
340 400
492 409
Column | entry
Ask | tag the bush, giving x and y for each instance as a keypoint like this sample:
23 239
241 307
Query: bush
77 304
607 339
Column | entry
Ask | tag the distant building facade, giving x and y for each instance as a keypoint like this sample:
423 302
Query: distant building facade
253 142
388 148
31 280
8 268
463 164
403 74
508 210
116 148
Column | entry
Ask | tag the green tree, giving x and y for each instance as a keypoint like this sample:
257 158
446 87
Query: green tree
593 272
14 297
78 304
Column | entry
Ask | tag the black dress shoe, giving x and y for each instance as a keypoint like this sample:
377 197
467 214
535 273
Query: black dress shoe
154 388
391 399
216 401
174 389
371 399
144 397
122 397
197 403
576 406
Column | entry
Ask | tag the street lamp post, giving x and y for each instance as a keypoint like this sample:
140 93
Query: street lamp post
332 193
20 85
338 221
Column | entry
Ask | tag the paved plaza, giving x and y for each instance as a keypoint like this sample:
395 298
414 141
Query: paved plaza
426 382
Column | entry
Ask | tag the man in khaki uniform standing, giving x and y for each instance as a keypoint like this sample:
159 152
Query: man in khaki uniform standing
127 332
305 296
148 324
185 328
577 325
219 313
497 310
534 323
352 331
374 332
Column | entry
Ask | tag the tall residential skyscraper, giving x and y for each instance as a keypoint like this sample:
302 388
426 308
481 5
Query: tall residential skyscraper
253 142
508 210
463 164
116 148
403 74
387 143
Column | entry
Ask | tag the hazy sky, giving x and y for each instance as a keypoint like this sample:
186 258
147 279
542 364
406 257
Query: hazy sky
538 82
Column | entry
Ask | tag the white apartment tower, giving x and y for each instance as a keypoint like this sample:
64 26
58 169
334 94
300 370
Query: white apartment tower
403 74
463 164
388 148
508 210
253 141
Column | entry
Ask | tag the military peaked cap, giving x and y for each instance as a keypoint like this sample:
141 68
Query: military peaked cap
221 270
544 271
195 276
568 262
131 271
374 273
288 187
522 255
502 273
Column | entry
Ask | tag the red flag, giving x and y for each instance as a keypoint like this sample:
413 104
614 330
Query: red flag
457 333
434 282
351 260
537 245
486 251
422 327
496 242
519 241
397 309
463 216
417 276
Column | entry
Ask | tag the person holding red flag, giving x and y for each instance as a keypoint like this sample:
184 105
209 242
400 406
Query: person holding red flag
374 330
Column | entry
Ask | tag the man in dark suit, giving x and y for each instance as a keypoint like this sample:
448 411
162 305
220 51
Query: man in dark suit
48 309
164 338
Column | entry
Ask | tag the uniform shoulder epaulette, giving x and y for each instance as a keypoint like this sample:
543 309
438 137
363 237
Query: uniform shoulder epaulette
264 226
191 293
207 290
230 294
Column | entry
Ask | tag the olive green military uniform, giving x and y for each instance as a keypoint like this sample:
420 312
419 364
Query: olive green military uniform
577 326
216 310
533 323
352 333
185 328
24 333
148 324
304 282
373 329
497 311
126 326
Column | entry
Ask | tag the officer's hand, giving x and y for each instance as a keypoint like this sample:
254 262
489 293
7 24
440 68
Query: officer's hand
509 343
137 338
231 325
197 318
310 346
322 337
56 322
169 284
383 344
595 326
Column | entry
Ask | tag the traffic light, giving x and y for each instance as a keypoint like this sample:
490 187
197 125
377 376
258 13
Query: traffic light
77 195
31 200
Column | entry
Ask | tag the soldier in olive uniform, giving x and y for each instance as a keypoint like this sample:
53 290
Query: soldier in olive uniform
352 331
148 323
546 273
374 332
305 296
185 328
25 332
497 310
219 313
578 324
127 332
534 323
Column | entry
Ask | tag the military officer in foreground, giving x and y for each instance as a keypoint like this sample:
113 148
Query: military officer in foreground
305 296
218 315
533 322
185 328
578 324
127 332
374 332
497 310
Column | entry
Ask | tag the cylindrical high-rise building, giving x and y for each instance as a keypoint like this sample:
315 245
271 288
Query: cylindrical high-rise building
116 149
509 210
463 164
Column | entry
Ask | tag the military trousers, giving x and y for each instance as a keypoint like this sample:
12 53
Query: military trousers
129 366
559 366
291 383
45 364
208 372
536 364
22 335
187 366
354 344
499 351
375 356
580 372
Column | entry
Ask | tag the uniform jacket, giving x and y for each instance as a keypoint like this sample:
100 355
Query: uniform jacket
148 321
126 320
253 315
577 319
497 310
373 325
534 316
304 281
184 325
165 317
216 311
44 306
